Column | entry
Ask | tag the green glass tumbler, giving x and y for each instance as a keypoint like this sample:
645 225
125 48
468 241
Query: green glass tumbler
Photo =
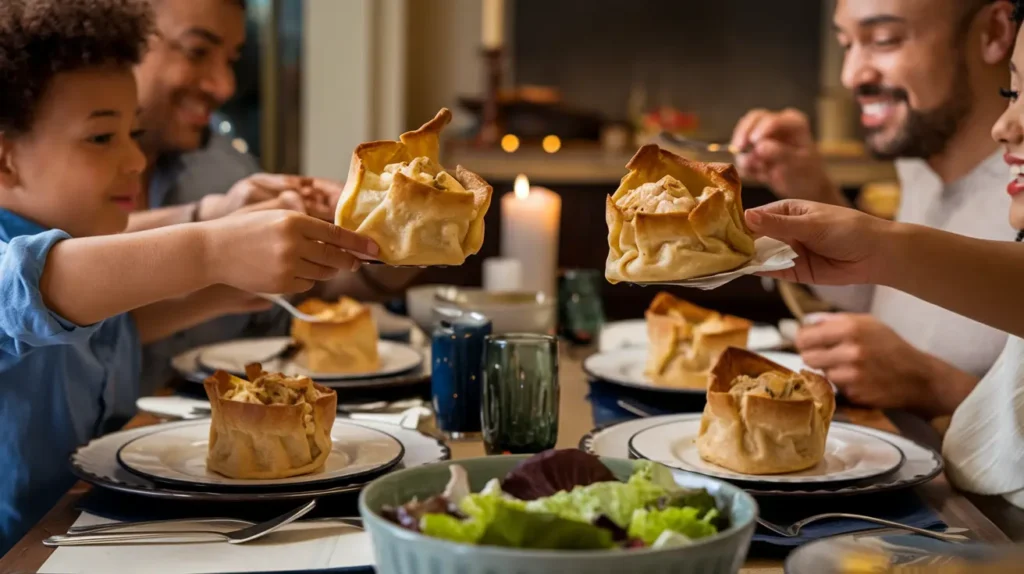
520 394
581 313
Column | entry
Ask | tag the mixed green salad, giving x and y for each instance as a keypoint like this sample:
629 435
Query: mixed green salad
569 500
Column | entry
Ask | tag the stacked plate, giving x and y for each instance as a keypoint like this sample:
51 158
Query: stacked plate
169 461
858 460
400 363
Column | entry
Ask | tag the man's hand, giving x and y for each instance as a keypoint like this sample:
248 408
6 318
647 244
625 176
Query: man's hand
783 156
872 366
314 196
836 245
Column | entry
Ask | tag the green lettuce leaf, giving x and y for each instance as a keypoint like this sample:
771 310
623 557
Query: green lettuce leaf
496 520
648 525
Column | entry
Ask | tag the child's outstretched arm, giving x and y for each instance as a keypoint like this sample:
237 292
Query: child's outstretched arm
90 279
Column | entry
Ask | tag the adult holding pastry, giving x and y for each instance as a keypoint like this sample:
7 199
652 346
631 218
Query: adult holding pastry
932 118
980 279
194 174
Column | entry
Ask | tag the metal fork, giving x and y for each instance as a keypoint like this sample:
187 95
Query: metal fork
352 521
793 530
240 536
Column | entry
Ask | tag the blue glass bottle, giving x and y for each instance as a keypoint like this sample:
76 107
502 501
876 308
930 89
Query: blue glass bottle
456 377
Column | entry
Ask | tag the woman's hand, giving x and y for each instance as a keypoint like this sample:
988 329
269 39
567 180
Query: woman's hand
280 251
836 245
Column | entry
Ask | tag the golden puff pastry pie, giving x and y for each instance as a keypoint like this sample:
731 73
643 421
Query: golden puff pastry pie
685 340
398 194
270 426
345 341
672 219
762 418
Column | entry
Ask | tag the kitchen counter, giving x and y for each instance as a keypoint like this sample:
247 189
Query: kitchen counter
591 165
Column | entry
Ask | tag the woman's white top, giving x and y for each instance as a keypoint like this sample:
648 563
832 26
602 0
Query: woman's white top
984 447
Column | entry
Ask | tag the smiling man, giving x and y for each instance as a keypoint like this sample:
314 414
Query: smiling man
193 174
927 75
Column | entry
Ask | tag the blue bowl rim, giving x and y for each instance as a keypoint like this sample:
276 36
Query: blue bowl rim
499 551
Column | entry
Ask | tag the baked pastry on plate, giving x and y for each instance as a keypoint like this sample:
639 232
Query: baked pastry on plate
685 341
673 219
344 342
270 426
398 194
762 418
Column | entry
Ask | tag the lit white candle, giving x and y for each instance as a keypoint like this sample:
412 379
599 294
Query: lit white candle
530 219
493 24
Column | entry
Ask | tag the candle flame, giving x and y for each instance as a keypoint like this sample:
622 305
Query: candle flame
522 186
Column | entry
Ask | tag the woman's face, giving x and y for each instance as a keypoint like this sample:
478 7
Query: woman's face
1009 131
78 167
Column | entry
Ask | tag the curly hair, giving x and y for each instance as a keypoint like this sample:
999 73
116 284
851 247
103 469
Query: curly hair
42 38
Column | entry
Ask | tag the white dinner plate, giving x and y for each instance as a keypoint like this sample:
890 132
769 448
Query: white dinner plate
177 455
96 463
633 333
626 367
849 455
233 356
920 465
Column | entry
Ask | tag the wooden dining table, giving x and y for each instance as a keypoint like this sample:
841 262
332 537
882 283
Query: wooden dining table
575 420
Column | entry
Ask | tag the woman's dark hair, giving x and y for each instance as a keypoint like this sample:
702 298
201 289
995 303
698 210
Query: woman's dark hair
1018 11
42 38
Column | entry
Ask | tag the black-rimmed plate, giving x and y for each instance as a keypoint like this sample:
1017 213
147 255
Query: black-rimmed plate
921 464
96 463
233 356
177 456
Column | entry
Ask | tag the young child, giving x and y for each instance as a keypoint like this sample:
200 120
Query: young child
69 176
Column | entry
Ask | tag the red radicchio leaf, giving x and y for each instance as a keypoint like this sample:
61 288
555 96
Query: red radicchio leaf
552 471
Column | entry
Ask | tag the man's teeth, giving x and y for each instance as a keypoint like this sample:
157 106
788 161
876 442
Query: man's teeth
876 109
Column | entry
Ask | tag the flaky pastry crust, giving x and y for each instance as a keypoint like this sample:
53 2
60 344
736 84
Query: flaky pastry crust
673 219
399 195
762 418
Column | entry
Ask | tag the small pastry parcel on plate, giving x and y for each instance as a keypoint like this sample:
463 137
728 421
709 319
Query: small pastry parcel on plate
672 219
399 195
344 341
762 418
270 426
685 340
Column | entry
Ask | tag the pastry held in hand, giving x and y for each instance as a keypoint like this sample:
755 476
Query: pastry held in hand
762 418
399 195
686 340
343 342
673 219
270 426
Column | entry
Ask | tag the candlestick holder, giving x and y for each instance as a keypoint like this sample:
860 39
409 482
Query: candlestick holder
490 122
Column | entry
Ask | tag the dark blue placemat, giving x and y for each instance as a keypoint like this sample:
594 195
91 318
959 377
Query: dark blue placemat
904 507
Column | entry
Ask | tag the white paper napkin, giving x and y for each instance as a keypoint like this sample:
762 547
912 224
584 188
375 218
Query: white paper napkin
301 546
770 255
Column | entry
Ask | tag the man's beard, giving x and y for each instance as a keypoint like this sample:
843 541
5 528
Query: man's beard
924 133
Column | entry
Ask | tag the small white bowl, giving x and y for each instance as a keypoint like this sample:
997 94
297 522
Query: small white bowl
509 311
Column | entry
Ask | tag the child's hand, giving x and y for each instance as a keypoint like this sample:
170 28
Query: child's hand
280 251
